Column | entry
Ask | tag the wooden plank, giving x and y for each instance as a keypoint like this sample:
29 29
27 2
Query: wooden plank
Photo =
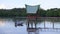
31 29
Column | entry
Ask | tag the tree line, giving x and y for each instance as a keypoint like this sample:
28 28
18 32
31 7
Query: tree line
12 12
54 12
21 12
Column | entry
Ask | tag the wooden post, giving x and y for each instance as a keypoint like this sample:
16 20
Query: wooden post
44 22
31 25
53 23
35 25
28 24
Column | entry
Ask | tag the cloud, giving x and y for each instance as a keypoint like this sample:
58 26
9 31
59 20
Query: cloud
2 6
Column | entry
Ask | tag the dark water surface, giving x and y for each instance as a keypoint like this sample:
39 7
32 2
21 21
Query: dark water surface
8 26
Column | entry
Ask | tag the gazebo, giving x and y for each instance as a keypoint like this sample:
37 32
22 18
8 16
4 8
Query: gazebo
31 16
32 11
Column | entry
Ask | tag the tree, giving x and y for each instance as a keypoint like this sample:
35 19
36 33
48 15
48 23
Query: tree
42 12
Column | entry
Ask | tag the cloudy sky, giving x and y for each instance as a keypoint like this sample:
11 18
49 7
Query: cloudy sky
45 4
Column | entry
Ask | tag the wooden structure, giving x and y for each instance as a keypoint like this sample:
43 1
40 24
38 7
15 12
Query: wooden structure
32 18
33 30
32 14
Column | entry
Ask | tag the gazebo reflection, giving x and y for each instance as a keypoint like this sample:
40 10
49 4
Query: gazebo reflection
33 31
32 27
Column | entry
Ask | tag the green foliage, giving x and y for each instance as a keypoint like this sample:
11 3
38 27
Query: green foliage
19 12
52 13
42 13
13 12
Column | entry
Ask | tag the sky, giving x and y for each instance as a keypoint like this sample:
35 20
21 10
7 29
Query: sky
45 4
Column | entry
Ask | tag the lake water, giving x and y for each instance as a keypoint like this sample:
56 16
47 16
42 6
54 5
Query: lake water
8 26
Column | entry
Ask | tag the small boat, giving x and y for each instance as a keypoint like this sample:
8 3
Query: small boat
18 23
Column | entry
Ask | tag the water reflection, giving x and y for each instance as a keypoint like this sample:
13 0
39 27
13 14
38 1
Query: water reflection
47 23
33 31
1 23
32 27
9 26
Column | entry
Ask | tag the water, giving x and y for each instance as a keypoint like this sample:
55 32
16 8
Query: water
8 26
